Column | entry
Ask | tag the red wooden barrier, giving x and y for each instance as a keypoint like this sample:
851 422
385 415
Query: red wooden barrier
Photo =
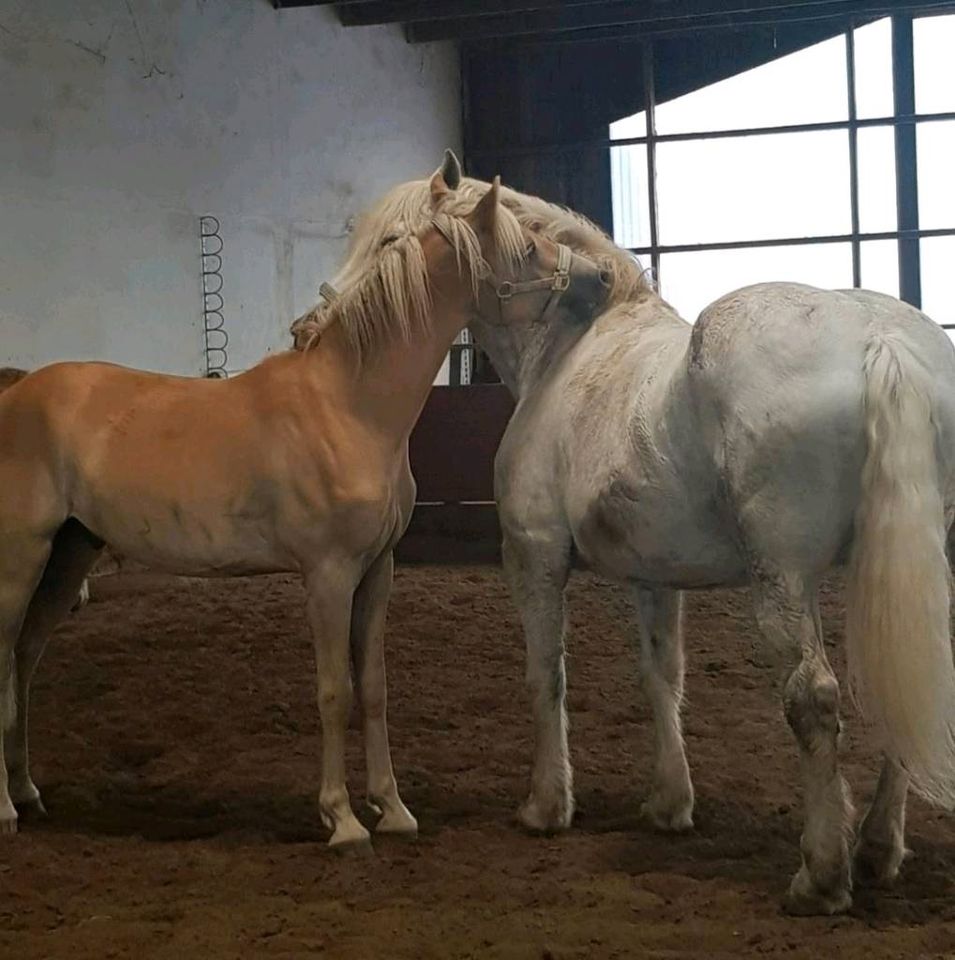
452 457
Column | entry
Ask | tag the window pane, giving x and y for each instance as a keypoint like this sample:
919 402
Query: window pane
805 87
754 188
934 41
935 145
876 152
635 126
938 278
880 266
873 55
631 202
690 281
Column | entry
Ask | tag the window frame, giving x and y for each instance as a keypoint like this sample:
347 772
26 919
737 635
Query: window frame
902 121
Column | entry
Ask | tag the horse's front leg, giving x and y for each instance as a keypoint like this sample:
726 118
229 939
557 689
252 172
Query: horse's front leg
329 603
368 648
787 613
537 569
659 615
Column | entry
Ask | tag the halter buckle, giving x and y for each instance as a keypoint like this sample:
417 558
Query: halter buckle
505 290
561 281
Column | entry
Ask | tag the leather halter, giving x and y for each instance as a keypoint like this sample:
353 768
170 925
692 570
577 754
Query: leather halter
557 283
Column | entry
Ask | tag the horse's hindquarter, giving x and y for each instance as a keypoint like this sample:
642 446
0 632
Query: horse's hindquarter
776 372
208 477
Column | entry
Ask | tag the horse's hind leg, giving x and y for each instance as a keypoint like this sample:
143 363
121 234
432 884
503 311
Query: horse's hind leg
73 553
22 558
787 613
659 614
881 847
537 568
369 607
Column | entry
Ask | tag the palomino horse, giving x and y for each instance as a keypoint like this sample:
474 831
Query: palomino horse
789 431
300 464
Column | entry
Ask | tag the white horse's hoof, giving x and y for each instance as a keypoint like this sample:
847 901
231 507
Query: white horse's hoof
877 865
553 817
668 817
805 900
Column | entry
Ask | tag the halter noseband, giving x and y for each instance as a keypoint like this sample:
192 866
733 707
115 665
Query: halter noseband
557 283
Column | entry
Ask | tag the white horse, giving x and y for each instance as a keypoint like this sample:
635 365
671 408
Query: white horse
791 430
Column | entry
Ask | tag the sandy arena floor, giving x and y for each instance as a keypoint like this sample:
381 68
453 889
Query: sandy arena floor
176 741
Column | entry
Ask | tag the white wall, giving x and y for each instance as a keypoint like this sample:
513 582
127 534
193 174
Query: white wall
123 121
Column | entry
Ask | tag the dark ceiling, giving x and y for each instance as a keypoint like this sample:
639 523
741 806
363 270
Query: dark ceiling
509 22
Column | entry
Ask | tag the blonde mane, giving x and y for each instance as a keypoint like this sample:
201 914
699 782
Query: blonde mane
384 288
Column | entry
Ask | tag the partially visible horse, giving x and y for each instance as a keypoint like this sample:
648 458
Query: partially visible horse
789 431
8 377
300 464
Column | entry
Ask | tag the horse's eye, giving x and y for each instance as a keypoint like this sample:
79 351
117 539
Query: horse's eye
390 239
530 249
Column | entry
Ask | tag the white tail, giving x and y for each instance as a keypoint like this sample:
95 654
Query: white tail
897 613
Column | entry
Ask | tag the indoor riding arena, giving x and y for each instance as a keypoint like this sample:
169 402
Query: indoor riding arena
666 612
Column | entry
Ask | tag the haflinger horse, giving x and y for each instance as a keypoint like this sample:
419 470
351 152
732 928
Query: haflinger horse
789 431
299 464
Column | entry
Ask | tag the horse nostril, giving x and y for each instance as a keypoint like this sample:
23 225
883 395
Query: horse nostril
606 278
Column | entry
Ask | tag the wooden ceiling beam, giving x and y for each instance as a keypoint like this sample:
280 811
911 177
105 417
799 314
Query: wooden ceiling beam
365 12
620 18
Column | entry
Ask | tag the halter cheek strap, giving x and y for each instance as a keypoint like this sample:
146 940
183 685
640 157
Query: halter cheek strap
505 290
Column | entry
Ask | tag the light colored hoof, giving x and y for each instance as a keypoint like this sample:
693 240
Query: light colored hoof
397 822
804 900
351 842
553 817
359 849
668 817
8 825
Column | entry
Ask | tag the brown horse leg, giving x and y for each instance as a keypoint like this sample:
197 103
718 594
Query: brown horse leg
73 553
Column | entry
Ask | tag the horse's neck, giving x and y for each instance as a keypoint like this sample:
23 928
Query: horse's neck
527 360
392 384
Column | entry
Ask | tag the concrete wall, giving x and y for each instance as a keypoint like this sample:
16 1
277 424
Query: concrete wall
123 121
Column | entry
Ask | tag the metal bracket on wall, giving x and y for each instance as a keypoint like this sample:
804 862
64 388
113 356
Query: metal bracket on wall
213 320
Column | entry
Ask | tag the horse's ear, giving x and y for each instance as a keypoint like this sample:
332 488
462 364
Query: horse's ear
484 216
451 170
439 189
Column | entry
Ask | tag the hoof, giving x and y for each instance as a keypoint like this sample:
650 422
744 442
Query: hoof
554 818
353 849
8 825
397 822
877 865
667 817
805 900
352 841
31 809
